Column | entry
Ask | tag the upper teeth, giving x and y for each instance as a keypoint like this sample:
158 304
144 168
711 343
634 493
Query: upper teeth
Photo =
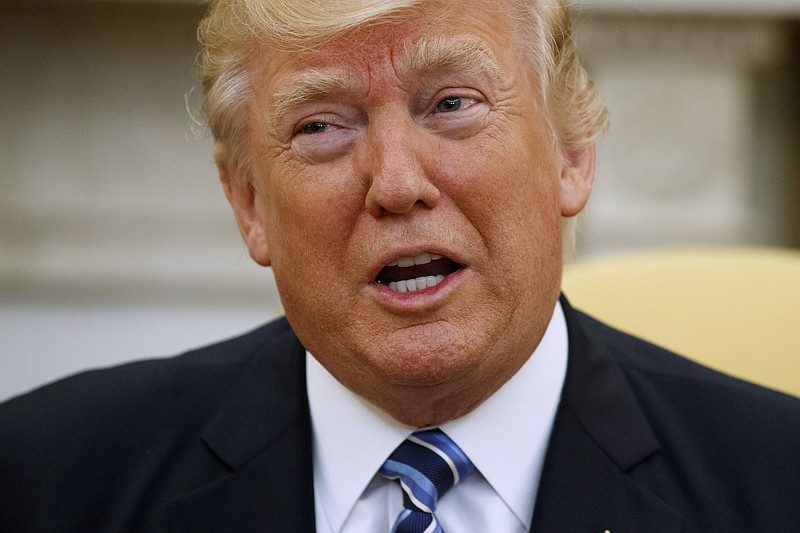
422 259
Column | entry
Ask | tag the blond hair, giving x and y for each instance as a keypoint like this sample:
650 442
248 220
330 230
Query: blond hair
231 30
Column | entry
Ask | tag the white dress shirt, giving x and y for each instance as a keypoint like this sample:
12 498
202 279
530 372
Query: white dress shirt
505 437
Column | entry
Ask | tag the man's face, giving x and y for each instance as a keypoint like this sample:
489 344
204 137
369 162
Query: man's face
408 193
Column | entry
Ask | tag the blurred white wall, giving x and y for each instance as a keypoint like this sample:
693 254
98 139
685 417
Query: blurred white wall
117 244
703 142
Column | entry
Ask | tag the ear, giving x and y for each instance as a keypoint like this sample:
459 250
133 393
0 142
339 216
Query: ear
577 178
242 196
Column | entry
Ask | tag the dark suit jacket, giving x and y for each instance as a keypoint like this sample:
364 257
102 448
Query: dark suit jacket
219 440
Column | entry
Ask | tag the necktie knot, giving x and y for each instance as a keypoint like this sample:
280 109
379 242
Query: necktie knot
427 464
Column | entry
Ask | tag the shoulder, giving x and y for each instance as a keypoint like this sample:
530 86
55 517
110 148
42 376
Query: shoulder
673 385
658 374
118 442
123 409
729 445
166 382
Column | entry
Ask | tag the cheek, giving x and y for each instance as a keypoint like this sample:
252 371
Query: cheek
513 202
309 216
508 190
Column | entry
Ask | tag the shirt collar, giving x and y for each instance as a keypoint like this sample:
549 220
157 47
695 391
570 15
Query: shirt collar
505 437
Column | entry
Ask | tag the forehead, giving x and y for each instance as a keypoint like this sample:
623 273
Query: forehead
432 36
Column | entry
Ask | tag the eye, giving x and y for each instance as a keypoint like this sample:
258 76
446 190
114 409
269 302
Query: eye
456 112
449 104
323 137
311 128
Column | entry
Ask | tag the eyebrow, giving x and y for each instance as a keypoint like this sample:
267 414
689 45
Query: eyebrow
426 55
443 54
310 86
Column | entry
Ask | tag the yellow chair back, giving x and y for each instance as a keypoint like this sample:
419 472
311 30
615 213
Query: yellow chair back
734 309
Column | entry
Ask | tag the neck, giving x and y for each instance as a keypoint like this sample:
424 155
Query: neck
430 406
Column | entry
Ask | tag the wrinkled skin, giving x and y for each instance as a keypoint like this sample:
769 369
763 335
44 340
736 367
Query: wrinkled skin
396 159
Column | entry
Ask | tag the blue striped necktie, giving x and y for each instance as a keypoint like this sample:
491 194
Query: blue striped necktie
427 464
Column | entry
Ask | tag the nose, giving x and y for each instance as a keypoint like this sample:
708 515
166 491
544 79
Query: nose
398 171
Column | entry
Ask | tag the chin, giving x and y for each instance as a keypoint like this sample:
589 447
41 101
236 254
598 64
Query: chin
425 366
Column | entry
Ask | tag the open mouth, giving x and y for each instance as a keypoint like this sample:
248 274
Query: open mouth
410 274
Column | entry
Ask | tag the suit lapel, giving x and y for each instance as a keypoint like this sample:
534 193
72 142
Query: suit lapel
263 434
599 438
